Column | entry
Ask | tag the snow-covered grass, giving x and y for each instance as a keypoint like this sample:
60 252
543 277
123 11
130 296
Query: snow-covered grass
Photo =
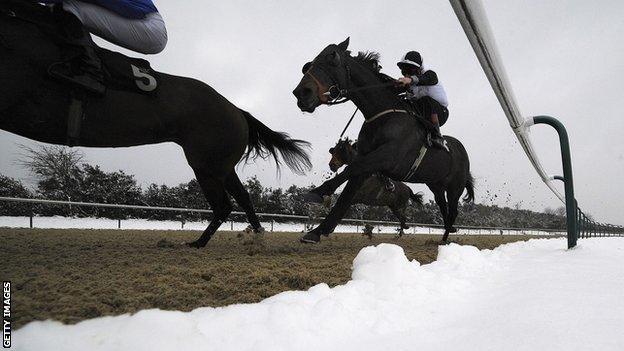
58 222
533 295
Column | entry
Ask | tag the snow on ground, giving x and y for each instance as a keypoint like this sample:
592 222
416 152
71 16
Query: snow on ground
59 222
533 295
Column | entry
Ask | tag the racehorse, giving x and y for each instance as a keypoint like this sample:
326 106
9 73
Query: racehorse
392 139
213 133
376 189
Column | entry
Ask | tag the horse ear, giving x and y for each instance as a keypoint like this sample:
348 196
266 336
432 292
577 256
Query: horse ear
344 45
331 150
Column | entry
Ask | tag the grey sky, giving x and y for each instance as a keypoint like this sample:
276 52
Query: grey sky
563 58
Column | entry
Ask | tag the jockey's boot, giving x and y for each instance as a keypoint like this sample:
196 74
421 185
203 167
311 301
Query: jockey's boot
437 139
82 67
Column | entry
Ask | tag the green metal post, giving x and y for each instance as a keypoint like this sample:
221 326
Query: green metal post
578 220
567 175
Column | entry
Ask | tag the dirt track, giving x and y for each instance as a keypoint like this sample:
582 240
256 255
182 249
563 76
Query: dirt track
72 275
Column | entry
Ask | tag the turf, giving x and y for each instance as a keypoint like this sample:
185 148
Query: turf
73 275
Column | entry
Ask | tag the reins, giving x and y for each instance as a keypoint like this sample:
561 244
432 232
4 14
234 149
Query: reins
343 93
392 110
348 123
370 119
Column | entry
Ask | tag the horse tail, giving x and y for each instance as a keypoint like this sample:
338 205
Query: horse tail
417 198
264 142
469 189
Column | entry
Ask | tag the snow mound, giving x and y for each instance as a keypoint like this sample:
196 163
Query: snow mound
521 296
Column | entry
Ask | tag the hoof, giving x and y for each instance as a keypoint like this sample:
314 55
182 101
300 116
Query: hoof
259 230
327 200
453 230
313 198
196 244
310 238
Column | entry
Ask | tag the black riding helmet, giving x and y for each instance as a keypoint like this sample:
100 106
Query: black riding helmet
411 60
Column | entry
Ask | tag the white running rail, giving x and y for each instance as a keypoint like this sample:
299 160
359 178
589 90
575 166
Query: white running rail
473 19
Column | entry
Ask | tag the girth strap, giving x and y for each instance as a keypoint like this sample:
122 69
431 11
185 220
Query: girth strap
75 114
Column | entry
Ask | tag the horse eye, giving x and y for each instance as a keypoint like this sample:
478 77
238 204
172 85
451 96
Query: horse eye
306 67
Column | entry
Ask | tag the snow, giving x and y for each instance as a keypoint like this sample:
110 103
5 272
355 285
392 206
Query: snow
533 295
58 222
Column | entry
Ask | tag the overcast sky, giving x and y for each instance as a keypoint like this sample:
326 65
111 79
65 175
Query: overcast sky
563 58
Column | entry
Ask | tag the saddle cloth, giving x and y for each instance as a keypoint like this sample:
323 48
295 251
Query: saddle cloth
127 73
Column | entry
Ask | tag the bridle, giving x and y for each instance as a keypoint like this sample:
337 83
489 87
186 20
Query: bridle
331 95
334 95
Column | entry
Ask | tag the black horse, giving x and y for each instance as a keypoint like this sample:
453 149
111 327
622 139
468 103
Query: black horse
391 141
376 190
213 133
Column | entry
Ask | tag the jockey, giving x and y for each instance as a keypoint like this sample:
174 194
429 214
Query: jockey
133 24
426 92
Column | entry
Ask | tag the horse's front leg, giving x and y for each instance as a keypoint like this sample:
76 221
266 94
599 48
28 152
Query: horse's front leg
380 159
357 173
337 212
317 194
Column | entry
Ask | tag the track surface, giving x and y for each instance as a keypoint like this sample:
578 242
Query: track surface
72 275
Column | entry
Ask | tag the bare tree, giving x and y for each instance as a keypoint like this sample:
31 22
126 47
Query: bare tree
56 169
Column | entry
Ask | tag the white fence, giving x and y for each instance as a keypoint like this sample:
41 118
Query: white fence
271 221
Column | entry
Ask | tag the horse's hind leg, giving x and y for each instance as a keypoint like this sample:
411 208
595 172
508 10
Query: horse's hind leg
214 191
235 188
453 196
440 199
400 214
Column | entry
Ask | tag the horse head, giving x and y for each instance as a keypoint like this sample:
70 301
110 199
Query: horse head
322 77
342 154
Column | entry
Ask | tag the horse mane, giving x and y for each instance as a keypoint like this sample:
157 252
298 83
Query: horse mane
345 140
370 60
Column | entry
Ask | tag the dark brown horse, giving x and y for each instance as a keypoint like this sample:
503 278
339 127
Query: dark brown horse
377 190
213 133
392 139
